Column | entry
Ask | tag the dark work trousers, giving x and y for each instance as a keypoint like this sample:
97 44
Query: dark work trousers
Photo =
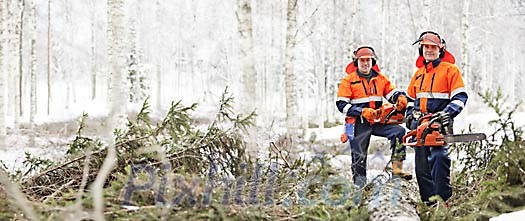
359 146
433 172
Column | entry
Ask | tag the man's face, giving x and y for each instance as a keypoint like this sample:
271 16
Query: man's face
430 52
364 65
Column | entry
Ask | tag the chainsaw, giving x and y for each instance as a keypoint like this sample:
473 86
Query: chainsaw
432 131
387 114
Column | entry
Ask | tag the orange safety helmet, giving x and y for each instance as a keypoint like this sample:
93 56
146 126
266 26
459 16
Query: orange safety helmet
431 38
365 52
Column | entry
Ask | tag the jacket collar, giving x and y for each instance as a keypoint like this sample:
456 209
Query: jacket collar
433 64
372 74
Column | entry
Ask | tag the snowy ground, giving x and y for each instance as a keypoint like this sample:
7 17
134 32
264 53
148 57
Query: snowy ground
52 139
514 216
44 148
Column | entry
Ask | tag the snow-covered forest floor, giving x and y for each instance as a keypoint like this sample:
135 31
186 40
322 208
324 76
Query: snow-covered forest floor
52 139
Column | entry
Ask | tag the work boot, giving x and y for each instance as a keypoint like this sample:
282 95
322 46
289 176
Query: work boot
397 170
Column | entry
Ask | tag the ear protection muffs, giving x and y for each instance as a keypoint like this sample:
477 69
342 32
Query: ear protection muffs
355 53
442 41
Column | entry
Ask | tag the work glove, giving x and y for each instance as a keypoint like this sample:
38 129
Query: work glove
442 117
369 114
401 103
409 118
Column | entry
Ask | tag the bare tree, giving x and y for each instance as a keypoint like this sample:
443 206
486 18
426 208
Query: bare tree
118 63
67 65
248 97
2 79
118 99
93 61
414 26
464 66
135 71
427 10
158 29
20 28
290 78
14 15
49 48
32 94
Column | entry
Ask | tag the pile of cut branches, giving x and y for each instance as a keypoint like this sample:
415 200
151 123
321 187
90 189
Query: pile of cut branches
169 169
173 140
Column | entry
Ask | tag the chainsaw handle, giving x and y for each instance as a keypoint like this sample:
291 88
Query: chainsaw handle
389 115
420 120
408 137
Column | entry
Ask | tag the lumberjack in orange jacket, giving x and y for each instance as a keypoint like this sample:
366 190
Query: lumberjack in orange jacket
356 92
360 93
436 86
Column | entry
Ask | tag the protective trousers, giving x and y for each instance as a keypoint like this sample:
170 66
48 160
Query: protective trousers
359 146
433 172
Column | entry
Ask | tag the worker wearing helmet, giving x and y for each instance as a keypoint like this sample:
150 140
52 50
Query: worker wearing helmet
436 88
360 93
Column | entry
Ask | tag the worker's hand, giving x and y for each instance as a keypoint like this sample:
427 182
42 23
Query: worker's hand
409 118
369 114
401 103
442 117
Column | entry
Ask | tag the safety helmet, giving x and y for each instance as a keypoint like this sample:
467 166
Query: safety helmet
431 38
364 52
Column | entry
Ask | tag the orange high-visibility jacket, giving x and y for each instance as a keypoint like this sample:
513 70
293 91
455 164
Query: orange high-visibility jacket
356 93
437 86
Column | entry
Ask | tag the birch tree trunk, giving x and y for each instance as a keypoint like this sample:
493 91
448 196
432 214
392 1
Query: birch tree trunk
464 66
67 67
93 60
248 97
118 62
48 56
158 58
442 11
32 95
339 58
393 74
12 51
290 78
118 99
384 30
413 21
132 73
135 74
2 80
192 53
427 10
19 111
